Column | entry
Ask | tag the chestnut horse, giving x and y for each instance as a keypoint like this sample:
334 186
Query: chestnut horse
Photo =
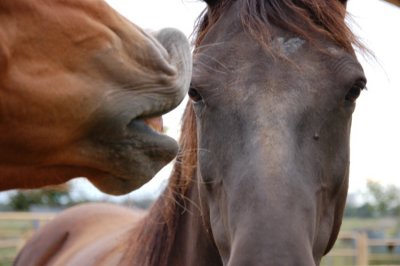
80 87
262 175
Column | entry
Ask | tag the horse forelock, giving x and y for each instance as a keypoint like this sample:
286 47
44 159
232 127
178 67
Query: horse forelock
303 18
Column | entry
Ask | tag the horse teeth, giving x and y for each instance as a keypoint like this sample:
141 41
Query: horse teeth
155 123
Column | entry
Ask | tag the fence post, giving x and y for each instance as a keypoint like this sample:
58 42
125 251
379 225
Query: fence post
362 249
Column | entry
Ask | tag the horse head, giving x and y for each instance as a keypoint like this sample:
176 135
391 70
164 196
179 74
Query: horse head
273 90
81 88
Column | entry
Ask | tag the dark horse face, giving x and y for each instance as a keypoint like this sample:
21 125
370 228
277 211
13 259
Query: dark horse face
273 125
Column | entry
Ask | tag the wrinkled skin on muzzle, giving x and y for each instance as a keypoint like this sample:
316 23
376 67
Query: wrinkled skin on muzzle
80 94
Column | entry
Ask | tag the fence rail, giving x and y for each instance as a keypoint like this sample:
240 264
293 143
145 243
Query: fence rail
359 249
26 216
15 230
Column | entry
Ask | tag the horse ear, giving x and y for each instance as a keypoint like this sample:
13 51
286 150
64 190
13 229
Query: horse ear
344 2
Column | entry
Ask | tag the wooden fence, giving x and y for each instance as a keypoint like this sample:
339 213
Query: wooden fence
17 227
361 249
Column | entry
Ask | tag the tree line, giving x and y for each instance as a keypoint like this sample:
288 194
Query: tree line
377 201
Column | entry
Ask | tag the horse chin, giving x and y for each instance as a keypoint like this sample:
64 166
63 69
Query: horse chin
153 146
136 159
140 171
115 185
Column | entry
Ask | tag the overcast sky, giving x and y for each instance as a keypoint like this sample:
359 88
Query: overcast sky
375 139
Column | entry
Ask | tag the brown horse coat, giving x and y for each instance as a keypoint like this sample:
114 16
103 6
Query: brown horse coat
90 235
78 86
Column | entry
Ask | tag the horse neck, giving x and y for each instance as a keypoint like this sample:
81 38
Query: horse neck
193 244
176 231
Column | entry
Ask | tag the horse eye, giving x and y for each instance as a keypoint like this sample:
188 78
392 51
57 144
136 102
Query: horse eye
194 95
355 91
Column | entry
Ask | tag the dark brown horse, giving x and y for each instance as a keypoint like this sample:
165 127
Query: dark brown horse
261 178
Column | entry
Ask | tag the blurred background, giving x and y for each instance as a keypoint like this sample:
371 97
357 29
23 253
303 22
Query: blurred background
371 228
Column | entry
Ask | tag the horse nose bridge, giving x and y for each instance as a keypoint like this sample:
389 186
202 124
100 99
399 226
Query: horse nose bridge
274 234
273 151
270 251
270 222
